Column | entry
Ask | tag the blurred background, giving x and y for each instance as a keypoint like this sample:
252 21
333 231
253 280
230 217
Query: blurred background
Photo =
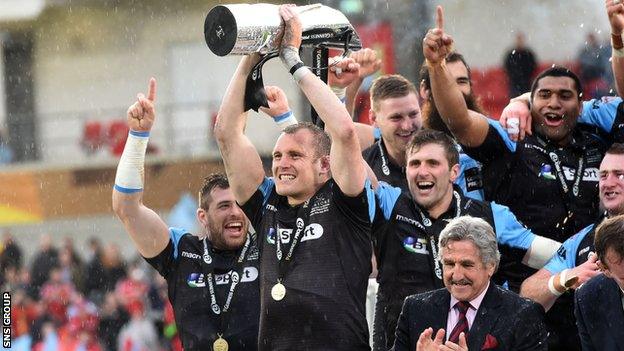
70 68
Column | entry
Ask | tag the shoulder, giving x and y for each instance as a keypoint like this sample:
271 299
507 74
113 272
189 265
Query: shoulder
594 285
426 298
518 304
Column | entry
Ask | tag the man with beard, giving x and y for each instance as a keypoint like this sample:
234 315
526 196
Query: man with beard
314 214
550 178
212 278
410 224
575 262
470 178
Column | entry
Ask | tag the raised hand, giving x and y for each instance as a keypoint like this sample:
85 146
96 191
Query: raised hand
342 72
615 11
278 103
368 61
292 26
436 44
141 114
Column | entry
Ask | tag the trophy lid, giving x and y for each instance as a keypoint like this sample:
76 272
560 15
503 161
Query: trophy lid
220 30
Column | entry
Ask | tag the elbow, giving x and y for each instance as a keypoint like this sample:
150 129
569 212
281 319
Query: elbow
347 131
123 208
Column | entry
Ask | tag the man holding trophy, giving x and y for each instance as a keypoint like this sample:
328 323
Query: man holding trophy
313 216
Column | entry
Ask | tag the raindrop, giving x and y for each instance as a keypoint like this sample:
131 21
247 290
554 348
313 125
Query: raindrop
582 25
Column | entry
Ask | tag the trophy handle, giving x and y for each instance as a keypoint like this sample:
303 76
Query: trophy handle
255 95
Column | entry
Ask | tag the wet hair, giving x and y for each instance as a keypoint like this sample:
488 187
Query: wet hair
321 140
558 71
429 136
214 180
390 86
450 58
616 149
610 235
476 230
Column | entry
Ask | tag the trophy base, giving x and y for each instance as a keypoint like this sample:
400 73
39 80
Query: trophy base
220 30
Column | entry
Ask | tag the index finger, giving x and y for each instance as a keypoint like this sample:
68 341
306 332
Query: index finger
151 90
439 17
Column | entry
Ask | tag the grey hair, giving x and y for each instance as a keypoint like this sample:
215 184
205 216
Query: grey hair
476 230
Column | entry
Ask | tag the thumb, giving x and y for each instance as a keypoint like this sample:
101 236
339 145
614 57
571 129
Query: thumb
462 341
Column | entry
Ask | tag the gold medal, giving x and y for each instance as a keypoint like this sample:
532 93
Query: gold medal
278 291
220 345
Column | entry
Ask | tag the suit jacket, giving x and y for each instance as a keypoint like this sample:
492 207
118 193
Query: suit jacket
504 321
599 314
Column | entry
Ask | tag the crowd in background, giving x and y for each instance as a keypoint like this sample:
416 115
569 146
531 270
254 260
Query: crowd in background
63 300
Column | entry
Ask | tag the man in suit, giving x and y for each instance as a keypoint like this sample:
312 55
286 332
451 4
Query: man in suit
599 303
471 313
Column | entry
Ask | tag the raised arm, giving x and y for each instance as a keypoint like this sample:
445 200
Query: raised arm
469 127
240 158
147 230
616 20
346 161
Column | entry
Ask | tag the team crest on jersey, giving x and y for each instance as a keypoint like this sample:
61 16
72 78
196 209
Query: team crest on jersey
196 280
415 245
546 172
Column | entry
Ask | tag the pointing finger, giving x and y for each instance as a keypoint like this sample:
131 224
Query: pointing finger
151 90
439 17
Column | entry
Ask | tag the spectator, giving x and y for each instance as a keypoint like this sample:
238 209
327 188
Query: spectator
520 63
44 260
93 287
11 253
112 319
594 63
72 269
113 266
139 333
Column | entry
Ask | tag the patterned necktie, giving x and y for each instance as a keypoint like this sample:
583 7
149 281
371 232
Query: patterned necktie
462 322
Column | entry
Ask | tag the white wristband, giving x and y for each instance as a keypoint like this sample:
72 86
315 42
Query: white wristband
129 178
563 278
341 93
285 119
300 73
551 286
617 52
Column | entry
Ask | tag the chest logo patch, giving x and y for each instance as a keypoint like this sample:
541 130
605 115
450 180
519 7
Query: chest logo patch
415 245
546 172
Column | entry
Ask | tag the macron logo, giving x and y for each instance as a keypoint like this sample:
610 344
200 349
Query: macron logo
191 255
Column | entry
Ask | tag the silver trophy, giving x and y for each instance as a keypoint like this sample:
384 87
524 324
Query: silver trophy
243 29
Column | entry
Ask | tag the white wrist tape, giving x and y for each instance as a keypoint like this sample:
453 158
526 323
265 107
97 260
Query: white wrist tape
341 93
300 73
129 178
285 119
617 52
563 277
551 286
289 55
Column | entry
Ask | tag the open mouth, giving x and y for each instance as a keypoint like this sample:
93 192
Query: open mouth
609 195
286 177
424 185
234 227
553 119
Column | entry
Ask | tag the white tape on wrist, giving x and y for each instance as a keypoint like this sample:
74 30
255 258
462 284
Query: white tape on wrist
551 286
300 73
129 178
285 119
563 277
617 52
341 93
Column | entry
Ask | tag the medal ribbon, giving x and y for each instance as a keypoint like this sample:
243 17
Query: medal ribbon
235 278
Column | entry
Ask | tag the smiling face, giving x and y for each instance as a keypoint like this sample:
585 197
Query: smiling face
465 275
555 108
225 222
298 171
398 118
430 177
611 184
